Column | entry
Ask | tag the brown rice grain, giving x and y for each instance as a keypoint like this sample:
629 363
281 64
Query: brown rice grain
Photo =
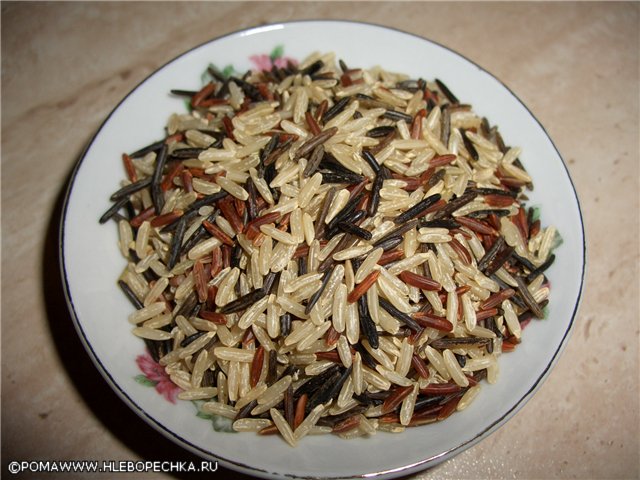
251 424
368 264
148 312
234 355
274 390
437 361
454 369
217 408
151 334
198 394
408 405
309 422
283 427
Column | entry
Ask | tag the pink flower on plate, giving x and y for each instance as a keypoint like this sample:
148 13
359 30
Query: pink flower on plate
262 62
156 376
265 62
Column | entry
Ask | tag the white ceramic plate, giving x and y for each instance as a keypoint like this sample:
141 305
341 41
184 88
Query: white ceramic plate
91 261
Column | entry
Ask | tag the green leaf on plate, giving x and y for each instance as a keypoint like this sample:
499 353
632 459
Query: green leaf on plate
557 241
206 416
142 380
199 413
277 52
536 213
222 424
545 312
228 71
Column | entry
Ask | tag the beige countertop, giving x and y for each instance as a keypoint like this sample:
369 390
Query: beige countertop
66 65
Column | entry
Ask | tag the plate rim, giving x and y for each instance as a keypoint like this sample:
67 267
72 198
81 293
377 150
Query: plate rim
252 469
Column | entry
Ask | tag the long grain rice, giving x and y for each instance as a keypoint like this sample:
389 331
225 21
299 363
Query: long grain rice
309 422
148 312
368 264
217 408
408 405
198 394
328 194
283 427
251 424
151 333
233 354
454 369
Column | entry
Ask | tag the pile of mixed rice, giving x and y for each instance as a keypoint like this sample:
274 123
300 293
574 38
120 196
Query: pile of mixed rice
325 249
